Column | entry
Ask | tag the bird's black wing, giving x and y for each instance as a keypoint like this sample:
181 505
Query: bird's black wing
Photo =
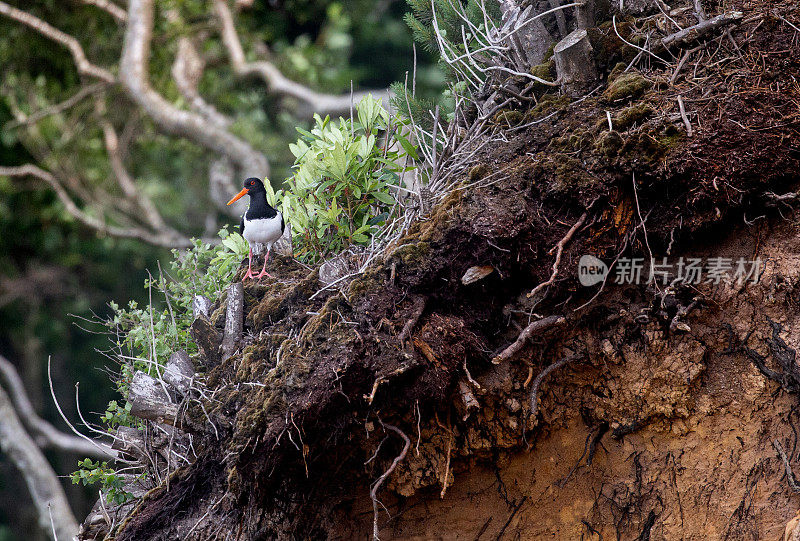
283 225
241 226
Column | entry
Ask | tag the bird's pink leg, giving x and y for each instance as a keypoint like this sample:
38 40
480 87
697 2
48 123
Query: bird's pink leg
264 268
249 273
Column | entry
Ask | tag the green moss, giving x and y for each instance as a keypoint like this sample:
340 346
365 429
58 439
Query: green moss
545 71
369 281
645 149
609 143
509 118
547 104
411 253
278 299
477 172
626 87
567 173
442 215
634 114
616 71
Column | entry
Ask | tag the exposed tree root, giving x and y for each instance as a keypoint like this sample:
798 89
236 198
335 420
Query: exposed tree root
377 484
790 478
559 249
529 332
419 307
538 382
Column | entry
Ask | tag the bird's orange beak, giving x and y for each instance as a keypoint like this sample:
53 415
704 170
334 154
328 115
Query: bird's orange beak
238 196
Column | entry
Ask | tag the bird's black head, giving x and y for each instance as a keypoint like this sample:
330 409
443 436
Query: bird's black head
252 186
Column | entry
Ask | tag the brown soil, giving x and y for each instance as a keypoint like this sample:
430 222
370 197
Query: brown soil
651 432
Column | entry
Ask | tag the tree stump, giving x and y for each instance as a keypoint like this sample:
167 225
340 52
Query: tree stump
575 64
234 314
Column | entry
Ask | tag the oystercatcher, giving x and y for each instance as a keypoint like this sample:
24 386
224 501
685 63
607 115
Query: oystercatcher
261 224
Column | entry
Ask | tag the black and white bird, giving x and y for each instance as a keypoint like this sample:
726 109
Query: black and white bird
261 225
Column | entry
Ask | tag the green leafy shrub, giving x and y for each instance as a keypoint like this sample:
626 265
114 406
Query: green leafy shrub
90 473
146 336
339 194
117 415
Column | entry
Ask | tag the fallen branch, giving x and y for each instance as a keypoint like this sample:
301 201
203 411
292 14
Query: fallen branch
693 33
559 248
179 371
150 401
377 484
537 327
685 118
538 382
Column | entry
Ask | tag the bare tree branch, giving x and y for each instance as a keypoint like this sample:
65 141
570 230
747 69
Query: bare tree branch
45 489
47 434
187 71
124 178
277 81
134 76
164 239
60 107
109 7
84 66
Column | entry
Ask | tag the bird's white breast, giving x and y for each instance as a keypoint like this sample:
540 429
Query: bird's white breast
263 230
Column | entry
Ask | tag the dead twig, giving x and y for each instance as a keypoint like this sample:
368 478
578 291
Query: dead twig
559 249
685 118
531 330
377 484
